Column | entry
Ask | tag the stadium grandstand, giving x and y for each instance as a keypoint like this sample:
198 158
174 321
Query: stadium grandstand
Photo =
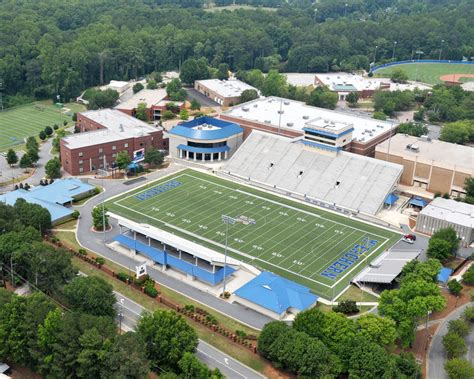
350 181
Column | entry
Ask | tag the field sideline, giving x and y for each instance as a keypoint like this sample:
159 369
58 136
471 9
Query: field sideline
314 247
429 73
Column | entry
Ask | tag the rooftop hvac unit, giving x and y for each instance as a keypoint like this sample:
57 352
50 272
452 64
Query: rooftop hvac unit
281 112
305 117
362 139
425 138
326 121
245 109
373 130
289 124
286 102
267 121
255 105
368 130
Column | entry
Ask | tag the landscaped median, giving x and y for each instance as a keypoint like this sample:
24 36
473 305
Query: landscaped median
226 334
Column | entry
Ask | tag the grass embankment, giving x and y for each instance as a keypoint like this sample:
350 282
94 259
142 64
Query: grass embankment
356 294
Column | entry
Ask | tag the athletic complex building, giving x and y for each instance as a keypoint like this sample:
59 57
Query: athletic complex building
294 119
224 92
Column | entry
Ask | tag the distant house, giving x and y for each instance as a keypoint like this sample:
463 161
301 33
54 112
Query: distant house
54 197
275 296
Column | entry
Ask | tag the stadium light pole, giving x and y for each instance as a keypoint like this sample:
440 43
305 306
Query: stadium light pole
420 53
228 220
103 173
441 49
375 53
345 9
394 46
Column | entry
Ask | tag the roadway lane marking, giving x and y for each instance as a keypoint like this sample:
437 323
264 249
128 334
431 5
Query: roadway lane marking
220 363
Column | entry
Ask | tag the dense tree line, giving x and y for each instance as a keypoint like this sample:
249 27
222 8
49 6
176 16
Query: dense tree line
54 47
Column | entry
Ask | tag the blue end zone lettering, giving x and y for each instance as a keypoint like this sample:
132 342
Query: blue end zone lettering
157 190
348 259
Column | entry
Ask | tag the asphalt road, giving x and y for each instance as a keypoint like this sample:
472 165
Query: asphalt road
436 353
94 242
206 353
203 100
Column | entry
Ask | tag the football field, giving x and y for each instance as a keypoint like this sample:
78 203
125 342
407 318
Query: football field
316 248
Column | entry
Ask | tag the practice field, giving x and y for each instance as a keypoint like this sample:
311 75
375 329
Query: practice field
427 72
28 120
316 248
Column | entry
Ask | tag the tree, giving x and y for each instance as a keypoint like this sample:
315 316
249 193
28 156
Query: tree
468 314
454 345
223 71
454 287
379 116
57 140
406 365
376 329
398 76
469 187
352 98
126 358
153 157
48 130
11 157
270 332
439 249
137 87
92 295
167 115
190 367
25 161
142 112
101 99
274 84
183 114
53 168
323 98
412 129
123 160
167 338
459 368
151 84
42 135
32 144
32 215
346 307
248 95
468 276
449 235
460 132
195 106
99 217
370 361
459 326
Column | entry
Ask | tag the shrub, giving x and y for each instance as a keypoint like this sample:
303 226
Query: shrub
454 345
96 190
124 277
55 127
64 122
189 307
211 319
454 287
82 252
459 326
75 214
48 130
142 280
468 276
151 291
42 135
241 333
468 314
99 260
167 115
346 307
379 116
459 368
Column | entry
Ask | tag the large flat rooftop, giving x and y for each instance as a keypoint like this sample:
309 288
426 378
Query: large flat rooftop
148 96
435 152
452 211
296 115
226 88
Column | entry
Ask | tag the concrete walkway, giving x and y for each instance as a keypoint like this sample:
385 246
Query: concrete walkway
96 242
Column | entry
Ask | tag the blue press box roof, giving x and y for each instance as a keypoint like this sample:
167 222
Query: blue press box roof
418 202
276 293
219 129
194 149
52 197
391 199
444 274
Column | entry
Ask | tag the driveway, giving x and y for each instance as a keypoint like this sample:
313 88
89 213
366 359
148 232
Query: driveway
206 353
436 354
203 100
95 242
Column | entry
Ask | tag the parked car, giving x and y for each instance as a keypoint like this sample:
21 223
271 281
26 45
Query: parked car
409 238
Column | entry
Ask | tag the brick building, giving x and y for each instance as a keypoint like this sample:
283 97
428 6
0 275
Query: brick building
223 92
326 129
103 134
433 165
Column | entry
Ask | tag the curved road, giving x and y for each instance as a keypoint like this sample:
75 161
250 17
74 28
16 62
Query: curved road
95 242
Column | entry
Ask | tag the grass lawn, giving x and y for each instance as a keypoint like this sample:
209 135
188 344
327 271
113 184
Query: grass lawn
24 121
71 224
356 294
316 248
427 72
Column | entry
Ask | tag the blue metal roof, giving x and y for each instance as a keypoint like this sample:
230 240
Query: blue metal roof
195 149
444 274
391 199
276 293
418 202
224 129
61 191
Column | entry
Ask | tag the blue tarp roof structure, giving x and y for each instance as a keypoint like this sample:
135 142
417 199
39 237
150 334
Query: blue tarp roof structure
52 197
276 293
204 150
220 129
391 199
444 274
418 202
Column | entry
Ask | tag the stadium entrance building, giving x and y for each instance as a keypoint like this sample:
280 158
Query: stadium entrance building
205 139
173 252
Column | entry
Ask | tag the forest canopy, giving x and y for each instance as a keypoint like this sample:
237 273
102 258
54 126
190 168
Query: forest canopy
51 47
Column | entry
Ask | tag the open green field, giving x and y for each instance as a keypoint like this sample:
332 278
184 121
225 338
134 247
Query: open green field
18 123
316 248
427 72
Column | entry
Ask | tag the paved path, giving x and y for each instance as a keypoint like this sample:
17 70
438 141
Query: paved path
436 355
95 242
206 353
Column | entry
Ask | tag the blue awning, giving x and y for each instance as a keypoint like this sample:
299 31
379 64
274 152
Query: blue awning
391 199
133 166
203 150
418 202
444 274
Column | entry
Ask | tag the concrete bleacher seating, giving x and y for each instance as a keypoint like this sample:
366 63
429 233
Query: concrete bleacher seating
351 181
